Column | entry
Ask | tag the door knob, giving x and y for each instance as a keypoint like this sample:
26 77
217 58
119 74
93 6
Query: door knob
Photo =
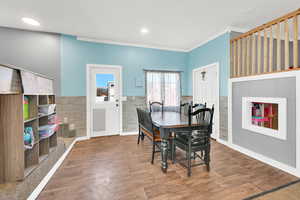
117 105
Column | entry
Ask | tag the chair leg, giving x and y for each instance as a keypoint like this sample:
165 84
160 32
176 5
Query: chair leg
153 151
189 160
189 164
139 137
171 148
142 136
194 155
207 159
173 152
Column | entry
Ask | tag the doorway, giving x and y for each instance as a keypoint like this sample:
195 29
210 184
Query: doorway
104 107
206 90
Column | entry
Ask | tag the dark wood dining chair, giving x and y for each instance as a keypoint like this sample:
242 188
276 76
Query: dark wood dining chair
156 106
197 141
147 128
140 133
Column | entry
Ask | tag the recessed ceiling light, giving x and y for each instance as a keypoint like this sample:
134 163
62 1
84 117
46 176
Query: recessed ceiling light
144 31
30 21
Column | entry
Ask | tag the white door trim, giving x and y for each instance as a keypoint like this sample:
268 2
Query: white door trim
217 107
88 103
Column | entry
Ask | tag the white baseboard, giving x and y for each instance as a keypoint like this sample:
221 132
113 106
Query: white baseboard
82 138
129 133
262 158
46 179
223 142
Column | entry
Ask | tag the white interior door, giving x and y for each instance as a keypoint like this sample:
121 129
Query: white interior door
105 105
206 90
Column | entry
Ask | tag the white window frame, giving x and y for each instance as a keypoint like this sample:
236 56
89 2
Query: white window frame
163 71
282 116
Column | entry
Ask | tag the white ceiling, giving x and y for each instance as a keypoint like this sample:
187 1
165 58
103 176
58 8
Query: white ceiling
173 24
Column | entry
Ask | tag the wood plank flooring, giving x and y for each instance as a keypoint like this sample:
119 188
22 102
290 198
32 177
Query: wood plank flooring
116 168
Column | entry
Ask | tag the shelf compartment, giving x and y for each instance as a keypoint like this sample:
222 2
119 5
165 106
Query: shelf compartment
31 159
46 99
44 146
53 140
34 124
51 99
43 99
32 106
47 109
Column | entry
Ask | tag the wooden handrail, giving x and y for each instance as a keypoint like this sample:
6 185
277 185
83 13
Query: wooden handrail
267 48
267 25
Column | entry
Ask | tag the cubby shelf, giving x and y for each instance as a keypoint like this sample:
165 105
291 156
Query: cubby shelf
19 110
41 149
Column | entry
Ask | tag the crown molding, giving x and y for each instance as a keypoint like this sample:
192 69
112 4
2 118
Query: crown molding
227 30
236 29
128 44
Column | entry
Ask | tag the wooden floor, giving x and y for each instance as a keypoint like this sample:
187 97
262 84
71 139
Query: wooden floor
291 192
117 168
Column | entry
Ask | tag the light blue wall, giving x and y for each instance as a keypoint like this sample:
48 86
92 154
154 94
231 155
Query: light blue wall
217 50
76 54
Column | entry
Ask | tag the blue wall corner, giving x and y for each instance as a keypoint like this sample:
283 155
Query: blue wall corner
217 50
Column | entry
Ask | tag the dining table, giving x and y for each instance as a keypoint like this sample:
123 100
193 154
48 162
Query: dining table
168 122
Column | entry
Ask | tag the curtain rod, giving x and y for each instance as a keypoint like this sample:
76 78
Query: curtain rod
161 70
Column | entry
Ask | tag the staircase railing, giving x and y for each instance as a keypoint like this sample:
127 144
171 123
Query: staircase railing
271 47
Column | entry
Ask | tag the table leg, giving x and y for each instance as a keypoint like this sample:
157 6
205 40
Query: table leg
164 151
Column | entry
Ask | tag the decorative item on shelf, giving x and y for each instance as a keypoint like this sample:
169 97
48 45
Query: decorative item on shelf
47 130
53 119
28 137
47 109
26 108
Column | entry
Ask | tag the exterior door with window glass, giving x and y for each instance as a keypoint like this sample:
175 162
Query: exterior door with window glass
105 111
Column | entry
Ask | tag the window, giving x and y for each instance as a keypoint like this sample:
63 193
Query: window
105 87
265 115
163 86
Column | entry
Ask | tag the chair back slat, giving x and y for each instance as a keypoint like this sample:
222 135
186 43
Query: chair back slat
203 116
184 108
156 106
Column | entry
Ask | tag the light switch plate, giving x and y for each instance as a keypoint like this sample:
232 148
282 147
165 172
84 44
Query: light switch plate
138 82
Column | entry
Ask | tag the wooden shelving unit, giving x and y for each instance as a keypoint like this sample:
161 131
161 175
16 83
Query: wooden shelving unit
42 146
16 161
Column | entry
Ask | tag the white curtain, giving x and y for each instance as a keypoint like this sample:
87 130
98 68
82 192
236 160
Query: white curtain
163 86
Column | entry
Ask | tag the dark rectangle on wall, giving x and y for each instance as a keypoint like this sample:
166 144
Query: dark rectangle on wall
35 51
283 151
